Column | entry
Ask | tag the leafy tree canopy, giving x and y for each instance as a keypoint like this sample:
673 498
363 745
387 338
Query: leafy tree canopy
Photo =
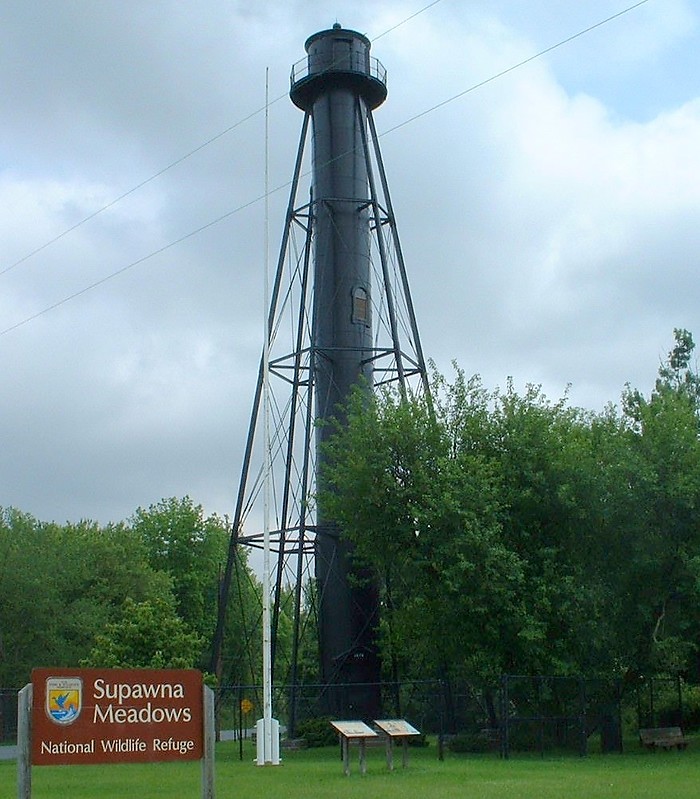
512 533
146 634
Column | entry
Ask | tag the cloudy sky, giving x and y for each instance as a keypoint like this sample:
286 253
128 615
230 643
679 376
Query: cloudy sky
550 219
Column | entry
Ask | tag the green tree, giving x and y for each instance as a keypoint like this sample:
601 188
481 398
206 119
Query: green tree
29 599
663 586
61 585
189 548
486 518
146 634
548 517
242 649
421 508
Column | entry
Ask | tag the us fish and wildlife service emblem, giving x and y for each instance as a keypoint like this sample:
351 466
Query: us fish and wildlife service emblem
64 699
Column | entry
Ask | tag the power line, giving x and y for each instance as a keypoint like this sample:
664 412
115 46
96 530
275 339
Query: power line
131 191
138 261
180 160
515 66
242 207
404 21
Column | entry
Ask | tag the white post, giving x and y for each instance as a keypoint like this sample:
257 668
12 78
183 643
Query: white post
24 742
209 733
267 727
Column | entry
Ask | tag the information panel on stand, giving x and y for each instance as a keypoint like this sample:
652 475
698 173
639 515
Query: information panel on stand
84 716
397 728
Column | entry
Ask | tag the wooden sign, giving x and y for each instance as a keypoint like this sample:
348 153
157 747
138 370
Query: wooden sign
84 716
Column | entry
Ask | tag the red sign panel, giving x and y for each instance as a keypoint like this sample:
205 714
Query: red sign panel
116 716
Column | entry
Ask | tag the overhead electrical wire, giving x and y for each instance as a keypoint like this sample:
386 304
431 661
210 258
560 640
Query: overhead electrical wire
130 191
261 197
407 19
515 66
182 158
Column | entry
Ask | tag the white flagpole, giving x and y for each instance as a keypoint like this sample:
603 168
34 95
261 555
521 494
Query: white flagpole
267 727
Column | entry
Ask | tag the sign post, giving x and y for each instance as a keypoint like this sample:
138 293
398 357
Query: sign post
24 743
208 700
88 716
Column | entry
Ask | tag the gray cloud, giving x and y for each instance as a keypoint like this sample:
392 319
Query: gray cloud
549 219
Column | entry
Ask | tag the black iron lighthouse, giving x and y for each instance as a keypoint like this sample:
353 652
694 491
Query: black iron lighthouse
341 289
338 85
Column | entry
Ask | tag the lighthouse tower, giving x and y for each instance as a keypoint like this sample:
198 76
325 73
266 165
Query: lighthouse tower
341 289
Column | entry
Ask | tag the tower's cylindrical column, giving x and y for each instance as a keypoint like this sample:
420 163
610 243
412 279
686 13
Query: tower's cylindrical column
336 85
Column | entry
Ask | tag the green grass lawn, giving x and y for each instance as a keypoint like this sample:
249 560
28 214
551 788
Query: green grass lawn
318 774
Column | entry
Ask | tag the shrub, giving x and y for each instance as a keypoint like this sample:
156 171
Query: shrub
317 732
469 742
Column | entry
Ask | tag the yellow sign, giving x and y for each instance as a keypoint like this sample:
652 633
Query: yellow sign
246 706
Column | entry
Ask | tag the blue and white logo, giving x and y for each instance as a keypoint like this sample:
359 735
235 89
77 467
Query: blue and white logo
64 699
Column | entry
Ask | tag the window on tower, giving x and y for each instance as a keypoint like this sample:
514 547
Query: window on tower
360 306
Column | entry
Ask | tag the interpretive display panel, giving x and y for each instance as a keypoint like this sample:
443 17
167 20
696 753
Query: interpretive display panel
354 729
396 728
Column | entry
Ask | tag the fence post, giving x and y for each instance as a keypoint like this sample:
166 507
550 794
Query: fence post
618 689
505 733
583 737
240 722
